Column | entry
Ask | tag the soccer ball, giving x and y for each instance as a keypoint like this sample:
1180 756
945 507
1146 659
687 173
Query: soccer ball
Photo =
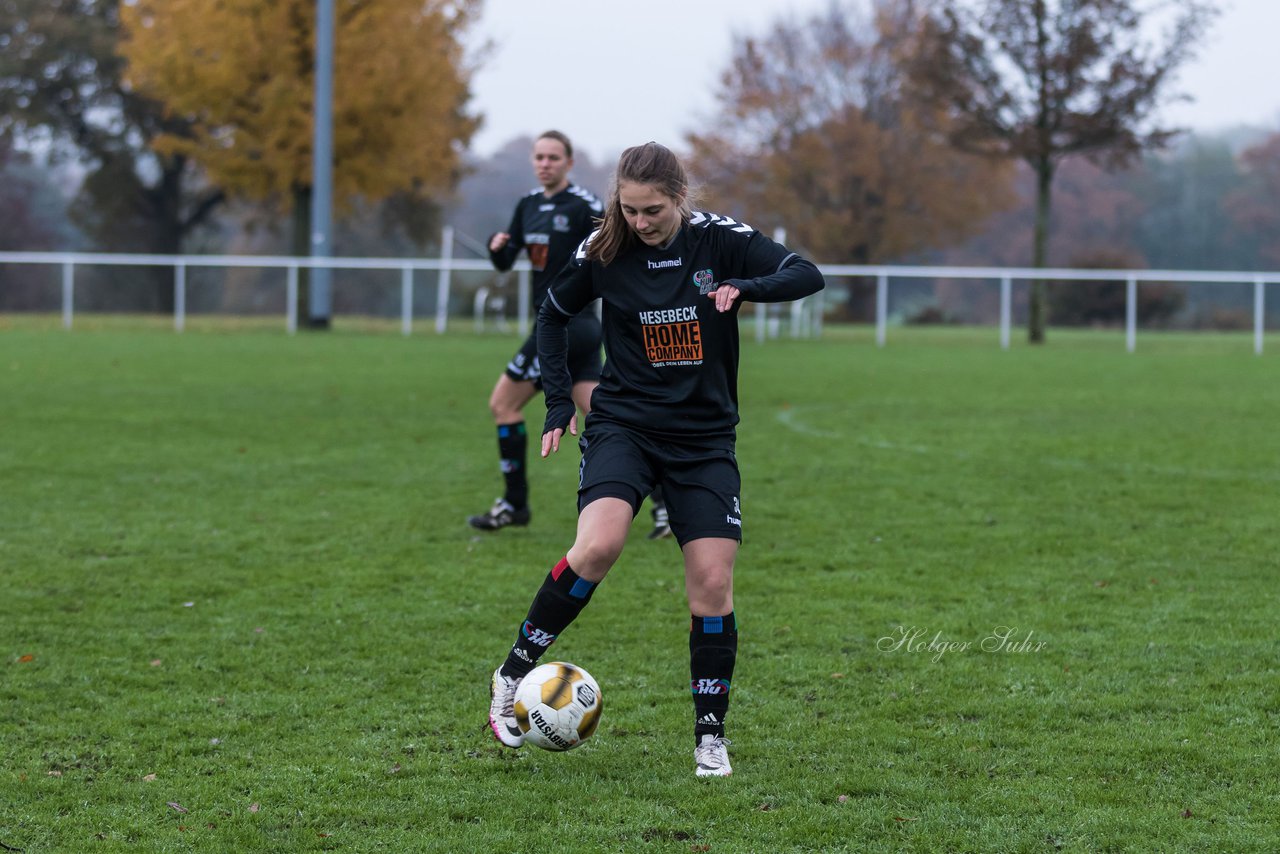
557 706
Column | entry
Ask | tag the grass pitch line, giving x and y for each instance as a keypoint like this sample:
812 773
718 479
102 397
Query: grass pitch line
790 419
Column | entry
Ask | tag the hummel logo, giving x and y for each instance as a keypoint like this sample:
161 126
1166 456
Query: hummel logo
701 217
581 253
587 196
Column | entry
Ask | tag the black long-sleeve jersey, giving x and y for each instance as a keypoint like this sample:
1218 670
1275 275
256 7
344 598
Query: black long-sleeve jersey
551 229
671 359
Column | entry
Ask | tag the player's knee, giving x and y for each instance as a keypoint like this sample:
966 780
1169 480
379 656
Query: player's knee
711 588
593 554
502 409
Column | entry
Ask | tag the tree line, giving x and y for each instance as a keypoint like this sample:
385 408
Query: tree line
944 131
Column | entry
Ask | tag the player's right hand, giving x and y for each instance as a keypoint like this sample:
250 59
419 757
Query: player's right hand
498 241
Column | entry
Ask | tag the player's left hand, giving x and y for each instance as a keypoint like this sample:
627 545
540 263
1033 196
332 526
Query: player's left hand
725 294
551 439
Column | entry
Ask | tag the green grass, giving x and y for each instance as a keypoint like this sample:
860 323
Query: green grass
234 577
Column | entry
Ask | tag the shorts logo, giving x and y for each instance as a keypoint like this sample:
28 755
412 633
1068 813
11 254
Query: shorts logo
537 637
737 509
705 280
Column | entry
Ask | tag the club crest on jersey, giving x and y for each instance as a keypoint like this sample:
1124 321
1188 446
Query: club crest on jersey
560 222
705 280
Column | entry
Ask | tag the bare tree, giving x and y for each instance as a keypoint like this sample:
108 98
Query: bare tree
815 134
1038 80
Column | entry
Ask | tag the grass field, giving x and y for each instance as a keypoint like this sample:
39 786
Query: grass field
240 611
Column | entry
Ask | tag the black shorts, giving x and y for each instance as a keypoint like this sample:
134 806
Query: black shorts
699 477
584 353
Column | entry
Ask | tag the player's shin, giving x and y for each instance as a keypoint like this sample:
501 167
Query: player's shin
513 444
713 650
558 602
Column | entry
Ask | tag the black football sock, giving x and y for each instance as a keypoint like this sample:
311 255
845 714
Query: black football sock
656 497
558 602
513 449
713 649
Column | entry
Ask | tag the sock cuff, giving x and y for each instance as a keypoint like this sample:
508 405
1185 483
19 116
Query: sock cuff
566 580
727 624
506 431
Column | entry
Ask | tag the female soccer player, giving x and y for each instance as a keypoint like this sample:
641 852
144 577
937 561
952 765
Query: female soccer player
672 281
549 224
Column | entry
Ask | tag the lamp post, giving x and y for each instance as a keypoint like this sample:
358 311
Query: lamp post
320 301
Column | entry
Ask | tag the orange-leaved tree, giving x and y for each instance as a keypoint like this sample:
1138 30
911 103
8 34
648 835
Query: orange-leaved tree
242 72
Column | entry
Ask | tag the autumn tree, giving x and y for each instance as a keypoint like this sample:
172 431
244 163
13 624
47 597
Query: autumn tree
242 74
1038 80
61 86
1255 206
814 133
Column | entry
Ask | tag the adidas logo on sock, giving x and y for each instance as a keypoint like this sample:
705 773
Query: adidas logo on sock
709 719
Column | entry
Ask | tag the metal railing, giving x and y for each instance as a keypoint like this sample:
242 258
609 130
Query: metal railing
805 315
1007 275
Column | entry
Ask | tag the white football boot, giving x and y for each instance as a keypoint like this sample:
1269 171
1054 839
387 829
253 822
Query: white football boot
712 756
502 711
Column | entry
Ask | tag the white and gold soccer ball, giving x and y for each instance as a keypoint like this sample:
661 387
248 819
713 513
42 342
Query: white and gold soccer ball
557 706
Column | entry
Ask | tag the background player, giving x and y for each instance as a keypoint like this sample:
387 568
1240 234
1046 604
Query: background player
549 223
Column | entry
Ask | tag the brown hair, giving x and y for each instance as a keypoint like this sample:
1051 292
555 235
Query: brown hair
651 164
560 138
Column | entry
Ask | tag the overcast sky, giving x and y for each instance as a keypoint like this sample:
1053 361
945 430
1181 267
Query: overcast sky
614 74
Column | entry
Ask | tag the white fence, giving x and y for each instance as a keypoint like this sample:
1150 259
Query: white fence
1007 275
805 315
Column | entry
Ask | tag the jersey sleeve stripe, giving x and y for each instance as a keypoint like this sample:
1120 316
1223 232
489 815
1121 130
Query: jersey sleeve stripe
552 299
588 197
702 218
581 254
